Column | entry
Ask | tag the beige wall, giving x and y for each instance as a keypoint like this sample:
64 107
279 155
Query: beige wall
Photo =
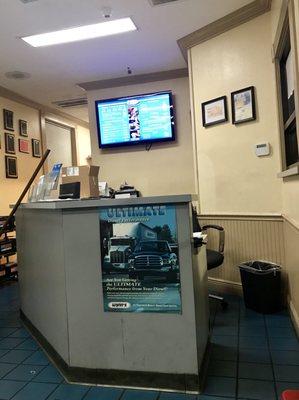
10 189
291 199
83 144
166 168
231 178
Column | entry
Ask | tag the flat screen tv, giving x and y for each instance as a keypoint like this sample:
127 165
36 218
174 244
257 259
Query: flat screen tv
145 118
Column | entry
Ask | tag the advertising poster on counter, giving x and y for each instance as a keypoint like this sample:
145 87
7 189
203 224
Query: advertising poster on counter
140 259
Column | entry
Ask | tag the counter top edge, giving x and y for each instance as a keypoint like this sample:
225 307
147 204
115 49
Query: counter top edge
95 203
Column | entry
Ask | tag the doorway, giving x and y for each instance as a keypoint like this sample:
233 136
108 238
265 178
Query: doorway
60 139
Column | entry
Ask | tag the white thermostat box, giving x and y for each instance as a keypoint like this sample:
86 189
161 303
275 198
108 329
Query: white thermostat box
262 149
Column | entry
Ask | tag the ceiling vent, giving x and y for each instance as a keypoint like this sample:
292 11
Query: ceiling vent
27 1
17 75
160 2
81 101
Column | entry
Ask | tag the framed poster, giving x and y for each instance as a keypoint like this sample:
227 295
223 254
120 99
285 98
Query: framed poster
10 143
214 111
36 150
23 131
23 146
140 259
11 167
243 105
8 120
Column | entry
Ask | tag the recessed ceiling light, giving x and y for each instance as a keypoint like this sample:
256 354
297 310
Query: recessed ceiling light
81 33
160 2
17 75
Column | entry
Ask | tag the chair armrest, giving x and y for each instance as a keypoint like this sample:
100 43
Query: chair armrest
218 227
221 235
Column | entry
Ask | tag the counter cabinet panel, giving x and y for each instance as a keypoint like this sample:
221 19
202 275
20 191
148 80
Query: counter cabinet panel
86 336
42 275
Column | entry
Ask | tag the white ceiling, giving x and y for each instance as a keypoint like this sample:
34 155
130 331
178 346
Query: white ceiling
57 69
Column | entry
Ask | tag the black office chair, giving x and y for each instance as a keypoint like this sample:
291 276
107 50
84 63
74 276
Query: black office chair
214 258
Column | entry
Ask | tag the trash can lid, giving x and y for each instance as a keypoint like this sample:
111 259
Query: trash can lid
260 266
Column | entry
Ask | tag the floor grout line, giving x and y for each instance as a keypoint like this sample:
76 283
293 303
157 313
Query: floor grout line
19 391
50 394
84 396
159 396
271 359
122 394
31 365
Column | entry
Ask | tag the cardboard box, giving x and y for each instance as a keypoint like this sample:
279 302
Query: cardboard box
87 175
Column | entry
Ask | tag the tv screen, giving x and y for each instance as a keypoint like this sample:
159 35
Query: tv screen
137 119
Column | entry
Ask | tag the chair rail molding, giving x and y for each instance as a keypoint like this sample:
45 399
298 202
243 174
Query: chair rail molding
291 221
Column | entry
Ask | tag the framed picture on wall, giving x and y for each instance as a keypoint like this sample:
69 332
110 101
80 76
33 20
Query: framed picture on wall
23 128
36 148
214 111
243 105
11 167
23 146
10 143
8 120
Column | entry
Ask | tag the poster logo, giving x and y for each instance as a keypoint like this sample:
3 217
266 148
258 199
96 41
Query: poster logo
140 259
119 304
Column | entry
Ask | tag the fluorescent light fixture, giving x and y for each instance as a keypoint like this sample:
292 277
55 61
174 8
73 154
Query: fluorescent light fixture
81 33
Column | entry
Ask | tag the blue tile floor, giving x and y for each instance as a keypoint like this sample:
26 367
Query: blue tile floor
252 357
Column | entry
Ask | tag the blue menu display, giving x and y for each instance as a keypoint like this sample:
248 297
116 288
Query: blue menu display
135 119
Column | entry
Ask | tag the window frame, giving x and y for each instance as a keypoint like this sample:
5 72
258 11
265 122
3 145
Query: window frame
286 26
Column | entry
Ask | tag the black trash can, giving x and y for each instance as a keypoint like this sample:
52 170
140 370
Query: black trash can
261 281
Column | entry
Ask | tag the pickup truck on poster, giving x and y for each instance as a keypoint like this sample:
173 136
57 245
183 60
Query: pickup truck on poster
123 242
154 259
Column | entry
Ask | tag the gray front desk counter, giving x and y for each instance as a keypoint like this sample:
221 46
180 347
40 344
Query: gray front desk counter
59 255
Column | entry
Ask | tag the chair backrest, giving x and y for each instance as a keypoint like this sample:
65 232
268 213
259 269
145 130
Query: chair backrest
195 224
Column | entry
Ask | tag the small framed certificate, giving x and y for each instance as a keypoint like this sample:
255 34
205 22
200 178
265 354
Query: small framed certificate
36 149
243 105
23 146
11 168
8 120
214 111
23 130
10 143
